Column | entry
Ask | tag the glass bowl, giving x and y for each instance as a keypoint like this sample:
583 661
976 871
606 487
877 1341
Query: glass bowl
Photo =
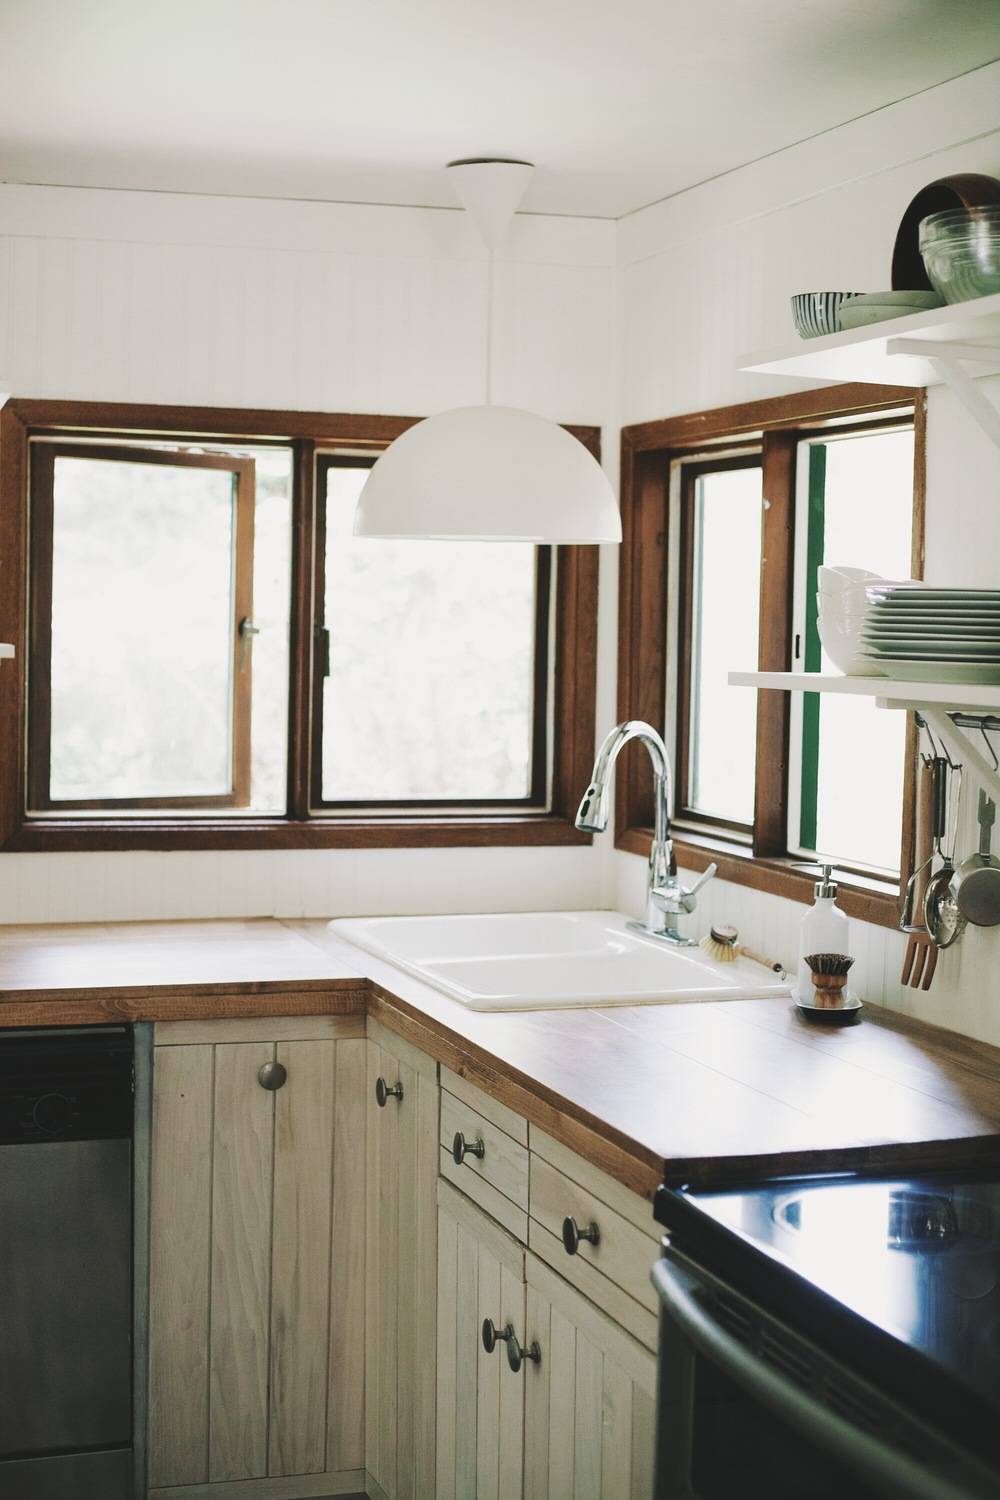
961 252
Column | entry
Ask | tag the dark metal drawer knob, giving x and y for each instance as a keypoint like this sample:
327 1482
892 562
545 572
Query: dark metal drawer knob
573 1234
518 1353
383 1093
272 1075
461 1148
492 1335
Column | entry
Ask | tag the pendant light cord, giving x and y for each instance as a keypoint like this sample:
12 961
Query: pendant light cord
489 329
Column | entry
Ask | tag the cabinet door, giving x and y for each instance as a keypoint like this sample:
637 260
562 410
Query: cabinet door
589 1402
402 1135
255 1253
480 1400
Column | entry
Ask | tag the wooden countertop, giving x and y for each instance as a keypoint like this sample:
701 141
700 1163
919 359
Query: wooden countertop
701 1093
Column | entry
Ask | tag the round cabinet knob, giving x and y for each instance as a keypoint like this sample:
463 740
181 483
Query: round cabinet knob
518 1353
573 1234
461 1148
383 1093
492 1335
272 1075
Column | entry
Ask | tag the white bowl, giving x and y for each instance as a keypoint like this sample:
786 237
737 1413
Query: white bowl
843 647
836 579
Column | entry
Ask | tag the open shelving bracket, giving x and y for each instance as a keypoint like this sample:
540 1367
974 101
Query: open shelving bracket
947 361
950 728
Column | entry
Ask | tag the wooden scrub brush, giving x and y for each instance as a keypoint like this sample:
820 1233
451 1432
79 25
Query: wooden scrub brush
829 972
721 944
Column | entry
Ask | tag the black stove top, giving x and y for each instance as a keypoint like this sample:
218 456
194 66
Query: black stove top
916 1259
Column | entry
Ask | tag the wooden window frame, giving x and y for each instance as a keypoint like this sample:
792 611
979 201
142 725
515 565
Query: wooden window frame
573 675
538 793
692 470
648 450
42 478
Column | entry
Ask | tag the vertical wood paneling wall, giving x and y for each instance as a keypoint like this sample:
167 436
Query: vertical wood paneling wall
706 277
198 300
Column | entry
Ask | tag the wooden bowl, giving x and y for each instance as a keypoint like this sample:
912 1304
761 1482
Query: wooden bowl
964 190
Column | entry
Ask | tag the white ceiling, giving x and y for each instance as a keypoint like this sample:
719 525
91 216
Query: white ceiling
365 100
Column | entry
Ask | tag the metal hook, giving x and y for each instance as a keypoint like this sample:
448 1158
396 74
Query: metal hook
923 725
989 745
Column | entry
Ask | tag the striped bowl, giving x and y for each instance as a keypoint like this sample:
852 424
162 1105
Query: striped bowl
816 313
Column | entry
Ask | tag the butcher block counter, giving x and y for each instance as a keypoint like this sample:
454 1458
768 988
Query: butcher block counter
703 1093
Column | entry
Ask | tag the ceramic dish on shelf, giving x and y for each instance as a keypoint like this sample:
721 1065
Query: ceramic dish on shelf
815 313
843 646
878 307
908 650
982 617
909 594
939 671
941 630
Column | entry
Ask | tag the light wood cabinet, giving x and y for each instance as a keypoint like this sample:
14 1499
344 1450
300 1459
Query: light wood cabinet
480 1400
257 1255
589 1402
401 1281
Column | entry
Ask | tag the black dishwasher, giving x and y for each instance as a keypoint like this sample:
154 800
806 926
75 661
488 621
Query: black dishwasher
66 1123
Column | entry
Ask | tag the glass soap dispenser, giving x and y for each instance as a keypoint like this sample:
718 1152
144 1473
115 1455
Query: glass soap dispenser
824 929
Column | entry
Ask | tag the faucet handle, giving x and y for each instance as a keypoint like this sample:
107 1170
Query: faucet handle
678 899
703 879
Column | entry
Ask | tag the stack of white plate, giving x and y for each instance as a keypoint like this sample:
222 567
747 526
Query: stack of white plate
919 633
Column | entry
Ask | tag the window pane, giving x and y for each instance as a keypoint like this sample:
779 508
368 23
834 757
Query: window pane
725 602
432 663
142 619
853 766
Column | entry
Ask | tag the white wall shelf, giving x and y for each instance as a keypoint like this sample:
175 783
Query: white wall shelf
927 348
958 697
934 701
864 354
6 651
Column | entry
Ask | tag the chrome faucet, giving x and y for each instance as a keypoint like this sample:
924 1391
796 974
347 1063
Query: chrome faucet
666 899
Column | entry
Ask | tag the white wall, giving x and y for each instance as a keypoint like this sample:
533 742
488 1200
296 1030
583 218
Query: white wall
162 298
706 277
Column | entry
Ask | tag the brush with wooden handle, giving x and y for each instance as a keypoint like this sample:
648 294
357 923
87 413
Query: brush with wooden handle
722 945
920 958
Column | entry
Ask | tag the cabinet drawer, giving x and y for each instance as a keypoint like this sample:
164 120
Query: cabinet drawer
623 1253
497 1179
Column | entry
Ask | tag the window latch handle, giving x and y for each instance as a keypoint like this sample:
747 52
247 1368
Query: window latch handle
321 642
247 632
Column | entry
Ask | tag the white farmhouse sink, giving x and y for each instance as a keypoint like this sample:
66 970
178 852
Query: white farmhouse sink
538 960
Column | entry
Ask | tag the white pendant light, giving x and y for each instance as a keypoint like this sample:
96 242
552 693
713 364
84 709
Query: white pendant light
488 473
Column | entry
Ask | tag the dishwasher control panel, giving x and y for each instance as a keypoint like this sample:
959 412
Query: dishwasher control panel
64 1084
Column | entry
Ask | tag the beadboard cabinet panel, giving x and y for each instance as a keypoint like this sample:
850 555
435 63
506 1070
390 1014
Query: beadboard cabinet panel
401 1276
588 1403
180 1265
345 1424
242 1184
257 1340
300 1258
480 1400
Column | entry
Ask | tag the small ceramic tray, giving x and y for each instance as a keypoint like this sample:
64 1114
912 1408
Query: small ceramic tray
847 1014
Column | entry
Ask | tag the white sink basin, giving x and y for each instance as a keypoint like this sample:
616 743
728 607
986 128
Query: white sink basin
538 960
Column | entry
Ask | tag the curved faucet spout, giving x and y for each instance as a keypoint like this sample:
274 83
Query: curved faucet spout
594 811
594 807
